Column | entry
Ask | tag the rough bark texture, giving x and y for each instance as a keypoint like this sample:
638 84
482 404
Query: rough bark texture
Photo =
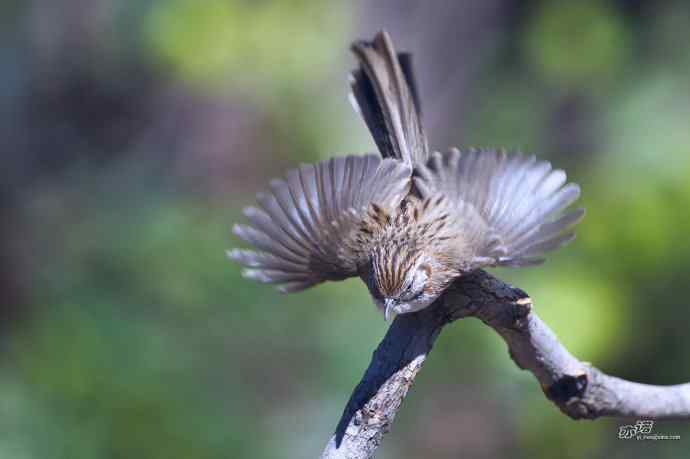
577 388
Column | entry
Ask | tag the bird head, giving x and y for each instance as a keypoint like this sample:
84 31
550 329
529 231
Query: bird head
401 281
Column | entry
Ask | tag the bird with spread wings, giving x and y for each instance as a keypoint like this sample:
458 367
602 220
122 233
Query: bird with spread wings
407 221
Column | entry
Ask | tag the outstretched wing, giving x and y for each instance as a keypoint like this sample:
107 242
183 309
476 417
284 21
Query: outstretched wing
509 208
304 228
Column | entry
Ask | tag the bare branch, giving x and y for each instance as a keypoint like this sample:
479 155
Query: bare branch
577 388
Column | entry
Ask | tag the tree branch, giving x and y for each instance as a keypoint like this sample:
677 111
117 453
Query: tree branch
577 388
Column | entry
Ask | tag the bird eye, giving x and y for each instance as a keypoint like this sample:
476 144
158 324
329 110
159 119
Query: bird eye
410 295
417 295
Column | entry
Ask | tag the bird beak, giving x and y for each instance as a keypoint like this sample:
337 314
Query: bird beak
389 304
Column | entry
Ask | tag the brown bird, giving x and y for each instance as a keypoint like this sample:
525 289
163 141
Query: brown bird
408 222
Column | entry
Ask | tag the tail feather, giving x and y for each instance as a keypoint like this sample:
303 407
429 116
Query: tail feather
387 98
405 61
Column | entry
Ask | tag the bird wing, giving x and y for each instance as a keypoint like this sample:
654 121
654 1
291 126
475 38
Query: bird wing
508 208
385 95
305 228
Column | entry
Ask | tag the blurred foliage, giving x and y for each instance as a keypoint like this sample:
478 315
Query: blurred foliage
577 44
256 44
129 334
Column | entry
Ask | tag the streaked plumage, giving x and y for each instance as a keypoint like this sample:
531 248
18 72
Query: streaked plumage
410 223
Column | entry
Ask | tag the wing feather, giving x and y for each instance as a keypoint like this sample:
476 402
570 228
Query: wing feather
510 208
304 227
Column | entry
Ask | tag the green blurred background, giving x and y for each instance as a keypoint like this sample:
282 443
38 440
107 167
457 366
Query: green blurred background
134 131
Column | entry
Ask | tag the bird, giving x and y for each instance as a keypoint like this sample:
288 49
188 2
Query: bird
407 221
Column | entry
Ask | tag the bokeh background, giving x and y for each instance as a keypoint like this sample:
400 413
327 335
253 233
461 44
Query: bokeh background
132 133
